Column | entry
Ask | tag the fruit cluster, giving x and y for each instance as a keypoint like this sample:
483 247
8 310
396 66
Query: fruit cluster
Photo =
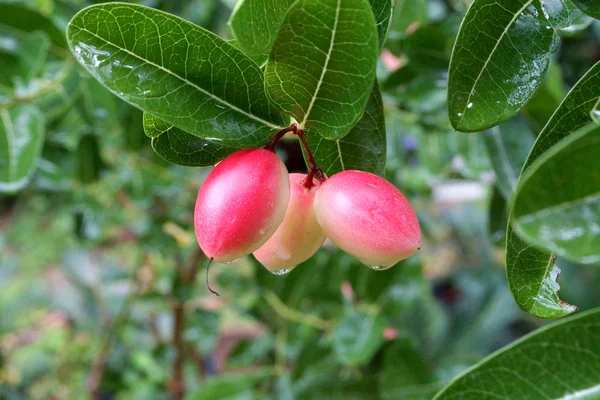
250 204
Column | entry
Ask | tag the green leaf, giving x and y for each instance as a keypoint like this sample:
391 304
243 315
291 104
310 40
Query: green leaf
364 148
21 139
202 85
500 58
498 218
558 361
56 102
180 147
531 272
357 337
557 205
89 162
547 99
590 7
255 24
32 55
22 20
229 386
407 14
508 147
382 9
322 65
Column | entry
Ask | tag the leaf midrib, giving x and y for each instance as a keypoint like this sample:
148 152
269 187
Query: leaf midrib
184 80
487 61
324 71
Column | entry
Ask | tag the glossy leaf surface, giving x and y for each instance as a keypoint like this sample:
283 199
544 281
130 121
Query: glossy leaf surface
255 24
364 148
590 7
201 83
558 361
21 139
531 272
382 9
557 205
500 58
322 65
180 147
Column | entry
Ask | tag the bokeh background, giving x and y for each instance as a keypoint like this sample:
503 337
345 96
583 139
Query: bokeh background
102 291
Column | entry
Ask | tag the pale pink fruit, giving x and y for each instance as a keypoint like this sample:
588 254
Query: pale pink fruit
241 204
368 217
299 236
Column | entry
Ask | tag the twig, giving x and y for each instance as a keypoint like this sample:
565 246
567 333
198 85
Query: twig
292 315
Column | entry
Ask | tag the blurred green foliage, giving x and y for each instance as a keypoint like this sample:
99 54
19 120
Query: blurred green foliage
101 281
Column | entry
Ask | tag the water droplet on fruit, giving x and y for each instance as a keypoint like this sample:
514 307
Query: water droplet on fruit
281 271
596 115
231 262
377 267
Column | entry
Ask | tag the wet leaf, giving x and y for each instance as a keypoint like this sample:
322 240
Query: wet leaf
364 148
203 85
557 205
322 65
557 361
180 147
357 337
508 147
590 7
500 58
532 272
21 140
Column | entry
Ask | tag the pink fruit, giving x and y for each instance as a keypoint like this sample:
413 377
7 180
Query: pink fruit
367 217
241 204
299 236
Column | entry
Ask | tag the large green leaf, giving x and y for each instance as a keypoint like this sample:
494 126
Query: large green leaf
255 24
559 361
557 205
357 337
508 146
322 65
21 20
590 7
21 139
202 84
531 272
500 58
364 148
180 147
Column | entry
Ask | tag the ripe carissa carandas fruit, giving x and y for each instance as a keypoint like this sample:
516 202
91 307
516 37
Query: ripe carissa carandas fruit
368 217
299 236
241 204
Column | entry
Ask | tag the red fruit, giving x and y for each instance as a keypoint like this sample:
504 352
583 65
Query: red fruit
241 204
367 217
299 236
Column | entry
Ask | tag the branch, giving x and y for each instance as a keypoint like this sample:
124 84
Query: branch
296 316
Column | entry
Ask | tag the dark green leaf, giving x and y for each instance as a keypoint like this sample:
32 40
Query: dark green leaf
404 372
357 337
590 7
364 148
557 205
22 19
255 24
382 9
547 99
322 65
558 361
498 218
500 58
532 273
203 85
180 147
21 139
89 162
508 147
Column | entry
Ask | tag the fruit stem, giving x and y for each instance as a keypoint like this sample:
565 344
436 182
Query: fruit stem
314 169
271 146
207 284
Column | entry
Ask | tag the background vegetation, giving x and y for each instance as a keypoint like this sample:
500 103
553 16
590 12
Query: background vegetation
101 279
